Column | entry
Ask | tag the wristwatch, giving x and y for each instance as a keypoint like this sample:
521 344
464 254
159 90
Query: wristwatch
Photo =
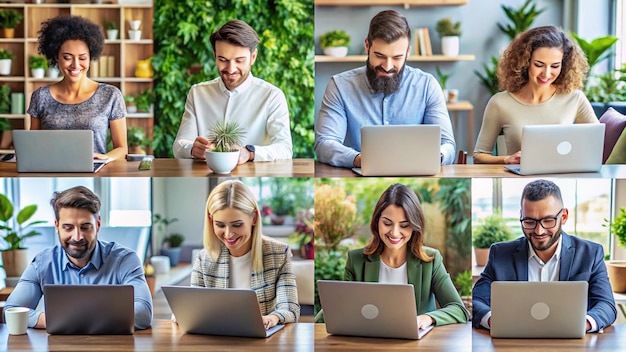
251 149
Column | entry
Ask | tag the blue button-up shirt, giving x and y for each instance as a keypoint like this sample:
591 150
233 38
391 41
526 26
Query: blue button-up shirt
349 103
110 264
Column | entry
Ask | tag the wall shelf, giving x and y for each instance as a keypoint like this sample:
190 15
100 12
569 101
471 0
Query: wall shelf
363 58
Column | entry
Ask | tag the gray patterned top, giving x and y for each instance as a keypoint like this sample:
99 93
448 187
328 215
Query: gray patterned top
107 103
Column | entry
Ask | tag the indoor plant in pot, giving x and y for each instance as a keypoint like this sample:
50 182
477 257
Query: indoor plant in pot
335 43
616 269
38 65
131 106
491 229
171 241
112 31
449 32
226 135
9 19
6 59
136 137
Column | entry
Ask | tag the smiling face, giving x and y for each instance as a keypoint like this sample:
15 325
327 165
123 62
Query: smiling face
234 228
394 228
544 241
385 64
545 66
74 59
233 63
78 233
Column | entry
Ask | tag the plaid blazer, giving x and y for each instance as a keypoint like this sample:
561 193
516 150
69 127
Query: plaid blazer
275 286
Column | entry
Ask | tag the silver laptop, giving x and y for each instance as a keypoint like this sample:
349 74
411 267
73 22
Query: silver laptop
89 309
523 309
550 149
217 311
370 309
400 150
55 151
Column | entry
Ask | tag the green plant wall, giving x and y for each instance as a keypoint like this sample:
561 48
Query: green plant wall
183 56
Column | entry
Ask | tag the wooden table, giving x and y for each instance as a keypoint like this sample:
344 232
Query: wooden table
454 338
181 168
612 339
480 170
164 336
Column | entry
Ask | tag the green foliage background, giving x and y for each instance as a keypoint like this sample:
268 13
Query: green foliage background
183 56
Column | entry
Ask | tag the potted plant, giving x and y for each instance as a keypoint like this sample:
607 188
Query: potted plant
491 229
53 71
226 135
171 242
463 284
6 59
131 106
443 79
38 65
616 269
136 137
9 19
144 100
14 257
335 43
281 202
112 31
449 32
303 234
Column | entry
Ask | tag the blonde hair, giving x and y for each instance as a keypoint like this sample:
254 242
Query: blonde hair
233 194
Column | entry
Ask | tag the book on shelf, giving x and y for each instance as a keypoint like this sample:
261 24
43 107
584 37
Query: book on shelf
422 42
94 69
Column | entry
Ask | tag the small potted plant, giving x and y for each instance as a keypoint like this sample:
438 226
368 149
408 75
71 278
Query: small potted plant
616 269
335 43
9 19
144 100
171 241
112 30
38 65
6 59
449 33
443 80
136 137
492 229
131 106
303 234
226 135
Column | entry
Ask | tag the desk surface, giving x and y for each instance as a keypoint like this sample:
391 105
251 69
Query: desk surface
164 336
455 337
180 168
480 170
611 340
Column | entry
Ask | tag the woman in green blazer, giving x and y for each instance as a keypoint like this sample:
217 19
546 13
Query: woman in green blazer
395 254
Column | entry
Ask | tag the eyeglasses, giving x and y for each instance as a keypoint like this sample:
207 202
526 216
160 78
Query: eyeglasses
547 223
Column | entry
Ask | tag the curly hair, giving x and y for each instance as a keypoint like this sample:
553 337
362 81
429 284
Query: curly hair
514 64
57 30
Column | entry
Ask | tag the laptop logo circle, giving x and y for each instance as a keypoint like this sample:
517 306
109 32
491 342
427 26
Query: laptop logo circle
564 148
369 311
539 311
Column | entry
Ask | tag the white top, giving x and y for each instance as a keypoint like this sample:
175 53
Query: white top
389 275
258 106
240 270
540 271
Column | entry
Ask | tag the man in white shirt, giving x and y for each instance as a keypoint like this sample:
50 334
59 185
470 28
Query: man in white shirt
258 106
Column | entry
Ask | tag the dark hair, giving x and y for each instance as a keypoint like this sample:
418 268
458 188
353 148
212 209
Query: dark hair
541 189
57 30
238 33
78 197
388 25
404 197
514 64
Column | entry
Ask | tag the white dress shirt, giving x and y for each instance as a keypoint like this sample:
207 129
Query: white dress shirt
259 107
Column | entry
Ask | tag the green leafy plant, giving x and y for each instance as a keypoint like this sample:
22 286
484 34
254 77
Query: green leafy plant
335 38
111 25
490 78
144 100
6 54
136 136
599 88
453 197
463 283
492 229
447 28
226 135
618 227
5 105
10 18
521 18
162 223
608 87
282 200
37 61
597 49
129 99
174 240
442 77
14 236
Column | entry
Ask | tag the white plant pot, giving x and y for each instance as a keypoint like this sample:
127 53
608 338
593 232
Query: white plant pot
339 51
53 72
112 34
450 46
134 34
38 73
221 162
131 109
453 96
5 67
134 24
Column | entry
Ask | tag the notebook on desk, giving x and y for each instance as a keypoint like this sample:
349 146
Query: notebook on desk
370 309
400 150
217 311
550 149
89 309
55 151
524 309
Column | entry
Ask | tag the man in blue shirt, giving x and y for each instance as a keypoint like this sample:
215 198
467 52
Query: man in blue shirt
81 258
384 92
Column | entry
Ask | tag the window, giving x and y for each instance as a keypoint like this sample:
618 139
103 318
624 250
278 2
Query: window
620 30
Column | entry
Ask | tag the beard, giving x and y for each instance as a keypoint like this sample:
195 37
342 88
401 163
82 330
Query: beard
551 241
80 249
384 84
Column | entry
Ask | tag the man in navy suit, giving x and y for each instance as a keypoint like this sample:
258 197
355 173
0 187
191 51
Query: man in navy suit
546 253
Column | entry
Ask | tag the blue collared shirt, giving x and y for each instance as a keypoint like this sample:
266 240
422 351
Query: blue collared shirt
349 104
110 264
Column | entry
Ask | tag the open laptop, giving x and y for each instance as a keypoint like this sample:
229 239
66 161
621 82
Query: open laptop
89 309
400 150
523 309
217 311
55 151
560 149
370 309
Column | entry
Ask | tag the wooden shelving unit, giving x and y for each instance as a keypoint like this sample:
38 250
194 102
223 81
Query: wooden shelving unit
125 52
363 58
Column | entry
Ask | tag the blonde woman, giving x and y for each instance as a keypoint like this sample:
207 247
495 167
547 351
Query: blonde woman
237 255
